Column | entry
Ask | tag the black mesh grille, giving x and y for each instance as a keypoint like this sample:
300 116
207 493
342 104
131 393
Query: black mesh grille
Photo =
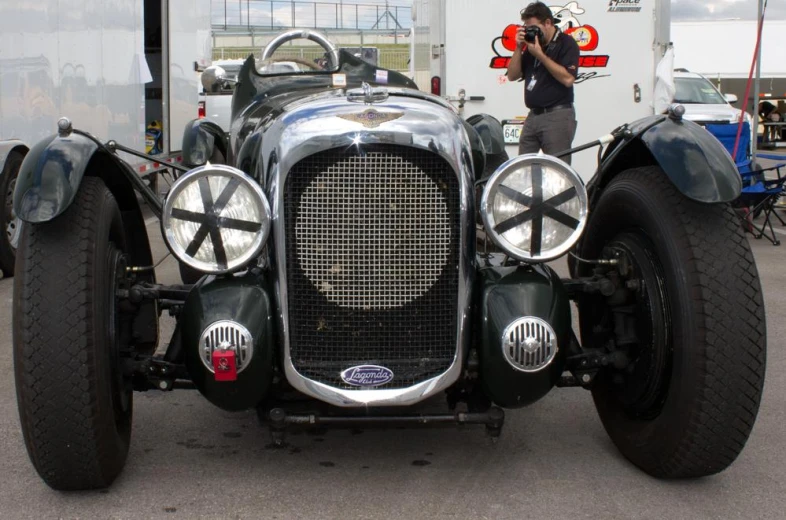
372 250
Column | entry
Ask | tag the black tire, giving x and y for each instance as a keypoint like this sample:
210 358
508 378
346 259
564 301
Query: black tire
686 406
217 157
8 224
75 405
189 275
493 162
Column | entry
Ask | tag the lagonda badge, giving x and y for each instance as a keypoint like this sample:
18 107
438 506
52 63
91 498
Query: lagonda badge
371 118
367 376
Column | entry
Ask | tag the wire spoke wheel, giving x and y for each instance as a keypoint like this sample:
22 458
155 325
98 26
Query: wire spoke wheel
10 225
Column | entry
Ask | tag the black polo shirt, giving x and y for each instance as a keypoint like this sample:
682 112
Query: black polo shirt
547 91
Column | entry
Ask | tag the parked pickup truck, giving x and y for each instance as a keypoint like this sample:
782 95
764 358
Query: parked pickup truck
216 105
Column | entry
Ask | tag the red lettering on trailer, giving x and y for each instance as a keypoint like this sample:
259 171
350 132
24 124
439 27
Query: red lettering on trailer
593 61
586 36
500 62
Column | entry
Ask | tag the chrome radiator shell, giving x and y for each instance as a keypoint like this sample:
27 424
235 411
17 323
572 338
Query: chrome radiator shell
325 122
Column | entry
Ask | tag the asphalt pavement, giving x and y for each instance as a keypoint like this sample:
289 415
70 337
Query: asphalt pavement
189 459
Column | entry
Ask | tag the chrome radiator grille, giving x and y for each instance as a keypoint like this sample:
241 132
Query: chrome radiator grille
372 263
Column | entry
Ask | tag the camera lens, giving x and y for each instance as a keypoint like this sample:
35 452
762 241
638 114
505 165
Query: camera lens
531 33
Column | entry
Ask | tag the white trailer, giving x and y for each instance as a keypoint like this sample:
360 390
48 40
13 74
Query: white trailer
462 48
110 67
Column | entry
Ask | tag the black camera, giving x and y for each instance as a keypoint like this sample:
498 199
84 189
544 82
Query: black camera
532 33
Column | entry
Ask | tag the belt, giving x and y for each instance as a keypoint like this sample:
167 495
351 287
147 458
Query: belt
538 111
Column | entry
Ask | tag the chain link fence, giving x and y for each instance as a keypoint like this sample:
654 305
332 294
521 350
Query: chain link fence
392 15
241 27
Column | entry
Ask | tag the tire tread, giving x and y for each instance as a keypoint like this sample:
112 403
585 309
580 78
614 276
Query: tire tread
728 311
67 430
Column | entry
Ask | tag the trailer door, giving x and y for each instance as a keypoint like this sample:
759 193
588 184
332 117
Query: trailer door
186 34
616 72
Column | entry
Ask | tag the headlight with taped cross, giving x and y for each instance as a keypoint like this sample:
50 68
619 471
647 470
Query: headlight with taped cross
534 207
216 219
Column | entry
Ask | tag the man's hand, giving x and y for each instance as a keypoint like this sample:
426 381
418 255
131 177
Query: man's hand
536 50
514 72
521 43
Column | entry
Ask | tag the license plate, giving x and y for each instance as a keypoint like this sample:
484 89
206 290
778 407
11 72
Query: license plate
512 133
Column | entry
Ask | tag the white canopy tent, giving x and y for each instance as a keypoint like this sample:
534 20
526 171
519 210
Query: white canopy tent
725 48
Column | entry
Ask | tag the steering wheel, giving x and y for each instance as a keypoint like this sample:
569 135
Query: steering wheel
331 51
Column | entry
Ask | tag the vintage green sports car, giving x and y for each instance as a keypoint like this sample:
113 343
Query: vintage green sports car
357 249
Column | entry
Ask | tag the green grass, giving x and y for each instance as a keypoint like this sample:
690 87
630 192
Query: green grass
391 56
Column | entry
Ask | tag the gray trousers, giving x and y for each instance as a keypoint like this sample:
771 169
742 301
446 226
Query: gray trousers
552 132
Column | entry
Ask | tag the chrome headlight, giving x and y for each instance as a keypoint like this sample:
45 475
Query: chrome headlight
216 219
534 207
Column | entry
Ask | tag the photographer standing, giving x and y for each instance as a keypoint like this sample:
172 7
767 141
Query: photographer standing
548 60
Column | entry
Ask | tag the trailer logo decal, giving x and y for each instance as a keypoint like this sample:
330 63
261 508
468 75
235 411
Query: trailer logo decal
624 6
593 61
586 76
586 36
566 17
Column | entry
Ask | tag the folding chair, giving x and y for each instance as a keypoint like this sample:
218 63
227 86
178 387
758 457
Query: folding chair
759 194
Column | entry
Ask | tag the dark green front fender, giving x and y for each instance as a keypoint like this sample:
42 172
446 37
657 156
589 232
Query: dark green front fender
506 294
48 181
200 138
694 160
244 300
50 176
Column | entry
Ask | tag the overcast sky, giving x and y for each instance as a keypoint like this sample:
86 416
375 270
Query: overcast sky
725 9
325 13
